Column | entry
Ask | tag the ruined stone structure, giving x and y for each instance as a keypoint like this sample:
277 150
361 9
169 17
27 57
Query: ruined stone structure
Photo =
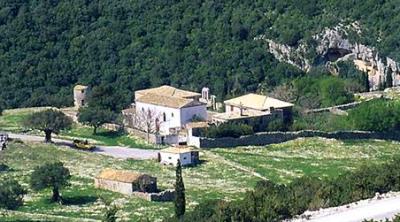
80 96
125 182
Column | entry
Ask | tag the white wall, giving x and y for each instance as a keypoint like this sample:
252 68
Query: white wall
172 115
236 109
175 118
187 113
172 158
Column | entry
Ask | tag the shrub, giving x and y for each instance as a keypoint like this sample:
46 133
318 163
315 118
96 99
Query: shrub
3 167
276 125
228 130
11 194
376 115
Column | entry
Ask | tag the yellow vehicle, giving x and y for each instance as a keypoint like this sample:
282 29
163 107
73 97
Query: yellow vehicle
83 145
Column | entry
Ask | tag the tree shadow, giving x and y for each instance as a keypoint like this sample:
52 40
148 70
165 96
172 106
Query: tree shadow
79 200
110 134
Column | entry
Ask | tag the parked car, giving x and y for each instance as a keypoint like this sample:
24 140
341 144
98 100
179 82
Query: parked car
83 145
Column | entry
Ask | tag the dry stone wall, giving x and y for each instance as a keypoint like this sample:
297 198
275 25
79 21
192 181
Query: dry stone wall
265 138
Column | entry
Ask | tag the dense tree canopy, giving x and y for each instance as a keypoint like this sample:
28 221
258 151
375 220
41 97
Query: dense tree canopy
48 46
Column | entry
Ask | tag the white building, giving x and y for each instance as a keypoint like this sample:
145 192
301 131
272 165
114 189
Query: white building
171 155
171 108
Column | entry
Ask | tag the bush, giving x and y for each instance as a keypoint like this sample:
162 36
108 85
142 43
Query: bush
276 125
377 115
3 167
11 194
228 130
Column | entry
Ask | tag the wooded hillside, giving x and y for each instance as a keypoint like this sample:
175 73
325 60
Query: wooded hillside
48 46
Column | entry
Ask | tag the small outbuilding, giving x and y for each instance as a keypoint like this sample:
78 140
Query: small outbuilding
125 182
171 155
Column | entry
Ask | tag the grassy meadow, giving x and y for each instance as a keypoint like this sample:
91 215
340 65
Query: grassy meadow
13 121
311 156
213 179
210 180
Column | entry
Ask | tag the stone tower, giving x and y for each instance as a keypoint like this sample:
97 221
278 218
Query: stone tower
80 96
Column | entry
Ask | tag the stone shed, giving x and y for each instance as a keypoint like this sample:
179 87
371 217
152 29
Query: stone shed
125 182
185 155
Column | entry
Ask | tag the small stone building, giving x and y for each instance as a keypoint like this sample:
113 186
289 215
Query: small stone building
171 155
80 96
125 182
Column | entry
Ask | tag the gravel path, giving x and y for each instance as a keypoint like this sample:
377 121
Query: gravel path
114 151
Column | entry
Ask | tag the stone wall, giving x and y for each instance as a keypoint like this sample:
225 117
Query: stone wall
163 196
120 187
265 138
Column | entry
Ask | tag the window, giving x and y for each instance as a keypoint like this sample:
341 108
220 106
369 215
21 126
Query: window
83 91
172 114
232 108
169 158
184 158
83 102
164 117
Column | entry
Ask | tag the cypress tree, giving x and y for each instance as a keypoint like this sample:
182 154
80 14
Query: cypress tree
179 201
389 78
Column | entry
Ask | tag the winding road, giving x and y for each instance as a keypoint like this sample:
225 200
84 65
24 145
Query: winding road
114 151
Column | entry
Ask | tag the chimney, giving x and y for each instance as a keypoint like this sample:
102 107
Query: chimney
205 94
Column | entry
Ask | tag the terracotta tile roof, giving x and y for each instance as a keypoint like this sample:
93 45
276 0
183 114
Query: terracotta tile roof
259 102
168 91
120 175
177 150
167 101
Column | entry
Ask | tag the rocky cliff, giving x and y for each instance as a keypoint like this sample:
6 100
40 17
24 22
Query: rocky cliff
331 46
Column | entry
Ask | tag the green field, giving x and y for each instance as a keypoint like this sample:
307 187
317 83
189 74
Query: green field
210 180
12 121
312 156
213 179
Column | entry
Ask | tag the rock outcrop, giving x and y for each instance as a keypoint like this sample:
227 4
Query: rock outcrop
333 46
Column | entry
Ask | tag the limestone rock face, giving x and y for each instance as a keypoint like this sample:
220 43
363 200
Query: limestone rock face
332 46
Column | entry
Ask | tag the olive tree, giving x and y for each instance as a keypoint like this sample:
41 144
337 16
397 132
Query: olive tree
11 194
95 117
50 175
49 121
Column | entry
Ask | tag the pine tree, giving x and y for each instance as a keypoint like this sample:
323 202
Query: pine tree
179 202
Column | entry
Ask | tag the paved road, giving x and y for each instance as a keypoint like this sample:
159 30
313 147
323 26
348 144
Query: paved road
377 209
114 151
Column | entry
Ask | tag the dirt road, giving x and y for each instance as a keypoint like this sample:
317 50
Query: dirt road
114 151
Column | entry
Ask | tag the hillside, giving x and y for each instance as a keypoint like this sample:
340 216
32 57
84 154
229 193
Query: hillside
48 46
